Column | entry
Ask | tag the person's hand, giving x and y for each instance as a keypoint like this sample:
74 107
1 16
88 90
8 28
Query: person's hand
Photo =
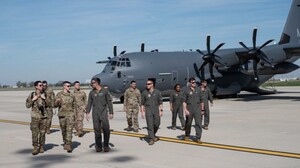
43 96
187 113
88 116
171 109
110 116
35 98
124 108
161 113
143 114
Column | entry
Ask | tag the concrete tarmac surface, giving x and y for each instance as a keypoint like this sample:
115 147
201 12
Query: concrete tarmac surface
248 131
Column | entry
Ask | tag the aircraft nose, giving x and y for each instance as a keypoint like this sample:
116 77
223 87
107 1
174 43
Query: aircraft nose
103 79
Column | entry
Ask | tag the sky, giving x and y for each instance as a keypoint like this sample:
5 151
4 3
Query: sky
57 40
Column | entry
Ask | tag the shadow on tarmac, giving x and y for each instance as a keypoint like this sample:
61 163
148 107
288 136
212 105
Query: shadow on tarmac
255 97
48 160
49 146
122 159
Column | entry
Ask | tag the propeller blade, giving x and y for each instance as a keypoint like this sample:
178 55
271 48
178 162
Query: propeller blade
115 50
208 43
254 37
211 71
196 70
199 51
202 66
242 44
123 52
255 70
217 48
266 43
215 60
142 47
266 59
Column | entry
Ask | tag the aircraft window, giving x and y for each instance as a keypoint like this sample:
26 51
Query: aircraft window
113 63
128 64
122 64
113 68
123 59
127 59
118 64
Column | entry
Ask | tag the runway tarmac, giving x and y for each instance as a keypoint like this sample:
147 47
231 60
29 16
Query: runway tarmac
248 131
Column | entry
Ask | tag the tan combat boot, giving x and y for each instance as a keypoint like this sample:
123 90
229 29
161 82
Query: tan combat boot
35 150
68 148
42 148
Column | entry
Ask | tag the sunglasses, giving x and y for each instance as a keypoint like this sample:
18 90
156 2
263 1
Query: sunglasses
149 83
68 85
193 82
40 85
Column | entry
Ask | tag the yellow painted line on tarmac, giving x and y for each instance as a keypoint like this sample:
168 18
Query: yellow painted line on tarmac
174 140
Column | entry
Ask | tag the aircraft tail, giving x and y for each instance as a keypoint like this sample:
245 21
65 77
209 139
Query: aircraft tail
291 31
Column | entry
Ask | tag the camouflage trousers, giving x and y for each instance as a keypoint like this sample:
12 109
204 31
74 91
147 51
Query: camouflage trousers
49 112
66 125
79 111
38 130
132 117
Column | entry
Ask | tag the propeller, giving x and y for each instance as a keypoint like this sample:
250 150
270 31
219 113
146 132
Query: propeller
115 51
209 58
256 54
143 47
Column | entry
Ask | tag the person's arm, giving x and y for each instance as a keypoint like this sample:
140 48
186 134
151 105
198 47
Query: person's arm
210 97
125 101
143 106
171 102
110 105
161 109
186 112
89 106
29 101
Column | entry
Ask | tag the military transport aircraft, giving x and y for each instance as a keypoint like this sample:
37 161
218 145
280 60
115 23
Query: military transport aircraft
228 71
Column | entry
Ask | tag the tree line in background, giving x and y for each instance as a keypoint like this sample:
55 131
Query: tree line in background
21 84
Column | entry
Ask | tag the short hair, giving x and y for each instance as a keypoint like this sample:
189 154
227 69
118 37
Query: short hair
192 79
176 85
203 81
66 82
133 81
76 82
97 80
37 82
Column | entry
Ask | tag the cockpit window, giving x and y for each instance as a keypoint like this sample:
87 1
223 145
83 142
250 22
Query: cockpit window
124 62
113 63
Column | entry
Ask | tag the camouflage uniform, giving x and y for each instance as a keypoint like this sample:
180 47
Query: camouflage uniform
80 105
132 102
49 107
38 119
66 103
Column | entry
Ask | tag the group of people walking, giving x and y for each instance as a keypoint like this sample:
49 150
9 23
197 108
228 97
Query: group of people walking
191 102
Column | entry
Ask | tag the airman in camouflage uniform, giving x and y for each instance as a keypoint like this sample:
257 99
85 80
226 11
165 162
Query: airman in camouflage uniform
65 101
50 101
132 102
80 107
36 101
206 96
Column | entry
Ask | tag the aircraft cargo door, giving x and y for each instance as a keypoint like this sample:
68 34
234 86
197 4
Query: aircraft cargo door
174 79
